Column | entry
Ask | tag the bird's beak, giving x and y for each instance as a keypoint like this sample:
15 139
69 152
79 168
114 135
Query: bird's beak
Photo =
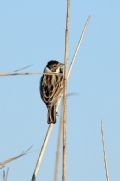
62 64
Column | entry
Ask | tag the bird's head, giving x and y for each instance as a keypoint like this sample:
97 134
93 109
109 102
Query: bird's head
54 66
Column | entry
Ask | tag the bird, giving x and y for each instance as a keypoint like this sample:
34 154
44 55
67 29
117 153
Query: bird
51 86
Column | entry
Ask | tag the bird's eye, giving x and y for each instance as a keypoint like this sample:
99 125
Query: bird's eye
54 66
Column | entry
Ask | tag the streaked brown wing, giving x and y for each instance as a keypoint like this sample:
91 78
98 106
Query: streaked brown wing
58 89
50 88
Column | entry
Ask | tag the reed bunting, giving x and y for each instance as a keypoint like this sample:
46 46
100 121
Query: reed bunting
51 86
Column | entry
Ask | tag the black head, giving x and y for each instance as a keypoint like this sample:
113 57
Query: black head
55 66
51 62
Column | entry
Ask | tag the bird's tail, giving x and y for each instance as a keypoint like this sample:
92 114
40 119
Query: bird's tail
52 114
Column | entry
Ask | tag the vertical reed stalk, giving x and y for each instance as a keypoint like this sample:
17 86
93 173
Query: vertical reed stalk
65 90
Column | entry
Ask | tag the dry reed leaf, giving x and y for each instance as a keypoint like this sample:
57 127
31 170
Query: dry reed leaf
104 153
3 163
23 68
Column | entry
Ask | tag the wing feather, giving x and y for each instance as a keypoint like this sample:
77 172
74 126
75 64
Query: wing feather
51 88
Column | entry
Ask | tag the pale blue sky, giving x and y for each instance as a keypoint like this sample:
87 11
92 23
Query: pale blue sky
32 32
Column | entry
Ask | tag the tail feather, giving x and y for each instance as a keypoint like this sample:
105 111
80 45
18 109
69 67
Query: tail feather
52 115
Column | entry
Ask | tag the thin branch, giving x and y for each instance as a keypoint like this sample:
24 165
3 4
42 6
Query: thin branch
23 68
79 44
104 153
25 73
42 152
